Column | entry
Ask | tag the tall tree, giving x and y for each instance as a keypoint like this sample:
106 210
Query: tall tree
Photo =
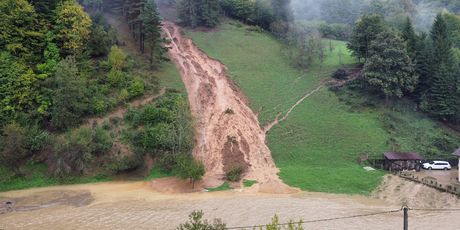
151 21
18 88
440 99
282 10
195 13
389 68
187 13
410 37
20 32
364 32
73 27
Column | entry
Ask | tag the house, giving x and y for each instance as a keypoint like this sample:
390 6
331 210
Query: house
397 161
457 153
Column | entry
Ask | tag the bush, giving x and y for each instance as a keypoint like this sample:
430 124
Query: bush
101 141
136 88
116 77
125 163
37 139
340 74
75 152
195 222
123 95
117 58
234 173
14 146
99 106
152 115
157 138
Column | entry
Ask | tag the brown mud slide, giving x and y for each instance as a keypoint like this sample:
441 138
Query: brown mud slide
228 133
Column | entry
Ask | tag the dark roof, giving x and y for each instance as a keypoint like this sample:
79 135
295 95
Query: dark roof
402 156
457 152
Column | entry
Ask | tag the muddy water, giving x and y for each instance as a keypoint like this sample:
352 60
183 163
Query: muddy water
136 206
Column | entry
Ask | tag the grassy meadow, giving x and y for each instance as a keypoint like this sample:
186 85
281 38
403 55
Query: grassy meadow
317 146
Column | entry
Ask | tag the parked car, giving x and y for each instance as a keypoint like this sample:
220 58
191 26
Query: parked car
442 165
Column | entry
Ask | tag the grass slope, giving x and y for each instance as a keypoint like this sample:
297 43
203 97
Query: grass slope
316 147
255 62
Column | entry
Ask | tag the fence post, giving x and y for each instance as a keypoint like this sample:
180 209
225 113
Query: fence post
406 218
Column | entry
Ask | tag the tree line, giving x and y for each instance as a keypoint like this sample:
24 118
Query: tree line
422 66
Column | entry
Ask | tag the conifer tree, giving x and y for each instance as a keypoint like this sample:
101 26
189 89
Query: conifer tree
195 13
151 21
410 37
440 100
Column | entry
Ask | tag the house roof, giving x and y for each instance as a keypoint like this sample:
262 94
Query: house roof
457 152
402 156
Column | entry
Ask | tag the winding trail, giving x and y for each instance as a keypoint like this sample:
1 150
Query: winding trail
328 82
278 120
120 111
227 130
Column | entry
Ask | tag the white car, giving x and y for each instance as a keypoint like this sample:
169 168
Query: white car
442 165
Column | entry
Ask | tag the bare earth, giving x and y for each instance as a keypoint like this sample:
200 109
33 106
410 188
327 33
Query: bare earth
227 131
136 206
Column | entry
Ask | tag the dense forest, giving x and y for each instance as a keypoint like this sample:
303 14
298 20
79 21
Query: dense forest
61 68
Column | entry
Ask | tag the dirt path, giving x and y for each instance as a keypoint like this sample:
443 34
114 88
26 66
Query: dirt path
227 130
133 205
121 110
278 120
327 82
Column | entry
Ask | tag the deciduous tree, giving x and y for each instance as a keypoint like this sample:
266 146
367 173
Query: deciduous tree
388 67
73 27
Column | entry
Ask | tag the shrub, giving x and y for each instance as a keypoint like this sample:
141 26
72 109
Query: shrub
234 173
117 58
99 106
101 141
14 146
74 152
229 111
157 137
123 95
125 163
152 115
136 88
116 77
340 74
37 139
195 222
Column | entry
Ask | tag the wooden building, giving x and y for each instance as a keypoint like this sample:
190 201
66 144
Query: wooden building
396 161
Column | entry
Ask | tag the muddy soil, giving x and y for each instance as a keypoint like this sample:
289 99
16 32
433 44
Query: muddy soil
225 123
136 206
46 199
399 191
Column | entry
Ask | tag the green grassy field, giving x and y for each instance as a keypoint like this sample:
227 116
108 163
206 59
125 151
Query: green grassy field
254 61
317 146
